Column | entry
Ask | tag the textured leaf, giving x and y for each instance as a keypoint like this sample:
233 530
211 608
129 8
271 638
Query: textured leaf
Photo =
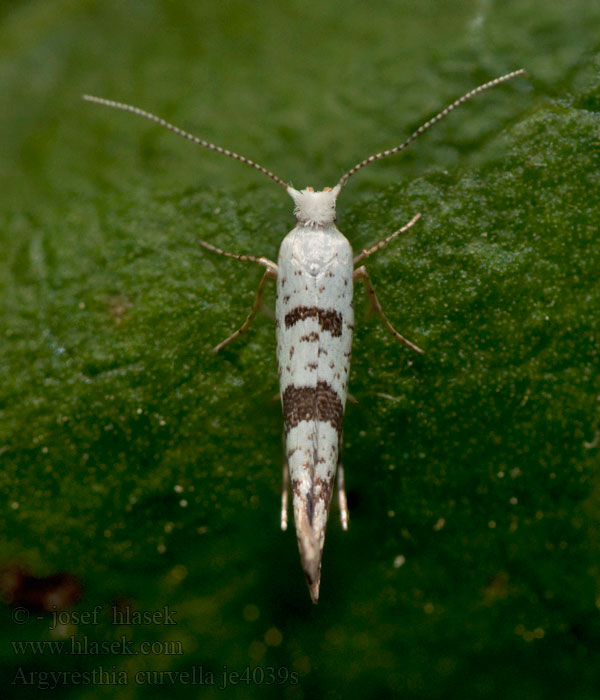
138 462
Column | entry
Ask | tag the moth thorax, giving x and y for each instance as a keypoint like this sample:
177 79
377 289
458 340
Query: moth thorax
315 209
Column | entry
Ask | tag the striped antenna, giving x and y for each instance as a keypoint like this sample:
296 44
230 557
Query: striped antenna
185 134
430 123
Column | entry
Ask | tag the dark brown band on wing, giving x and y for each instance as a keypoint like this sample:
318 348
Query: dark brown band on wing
329 319
312 403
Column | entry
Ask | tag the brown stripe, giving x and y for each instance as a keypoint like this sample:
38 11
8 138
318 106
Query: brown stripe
324 494
312 403
329 320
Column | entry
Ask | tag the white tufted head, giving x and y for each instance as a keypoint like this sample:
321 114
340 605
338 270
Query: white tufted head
314 209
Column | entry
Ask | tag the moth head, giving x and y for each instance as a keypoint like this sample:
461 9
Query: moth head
315 209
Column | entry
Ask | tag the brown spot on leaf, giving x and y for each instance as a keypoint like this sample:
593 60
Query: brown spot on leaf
58 591
118 307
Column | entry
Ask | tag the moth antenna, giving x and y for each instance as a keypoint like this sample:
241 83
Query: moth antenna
185 134
430 123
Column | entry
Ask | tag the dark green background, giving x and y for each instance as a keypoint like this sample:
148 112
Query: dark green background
477 463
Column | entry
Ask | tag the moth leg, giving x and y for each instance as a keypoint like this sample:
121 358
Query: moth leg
265 262
342 500
284 495
361 273
255 309
364 254
271 272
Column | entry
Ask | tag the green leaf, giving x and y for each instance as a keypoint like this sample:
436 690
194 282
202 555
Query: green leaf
149 468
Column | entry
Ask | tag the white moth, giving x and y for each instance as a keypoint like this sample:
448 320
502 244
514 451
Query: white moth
314 314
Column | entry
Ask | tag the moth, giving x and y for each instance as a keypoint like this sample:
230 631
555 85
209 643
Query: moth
315 274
